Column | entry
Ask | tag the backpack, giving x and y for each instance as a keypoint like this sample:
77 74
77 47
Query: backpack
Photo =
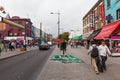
94 52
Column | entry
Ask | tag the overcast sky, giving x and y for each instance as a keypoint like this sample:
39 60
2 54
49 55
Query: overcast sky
71 12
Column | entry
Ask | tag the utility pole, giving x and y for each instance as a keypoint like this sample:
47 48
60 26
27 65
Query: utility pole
58 22
40 32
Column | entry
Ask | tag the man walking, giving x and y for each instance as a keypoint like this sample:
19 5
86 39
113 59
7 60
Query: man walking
1 47
63 46
104 52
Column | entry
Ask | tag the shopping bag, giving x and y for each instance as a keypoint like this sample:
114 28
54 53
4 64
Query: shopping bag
100 65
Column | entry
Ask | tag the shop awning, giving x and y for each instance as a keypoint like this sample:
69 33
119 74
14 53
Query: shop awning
109 30
77 37
94 33
58 40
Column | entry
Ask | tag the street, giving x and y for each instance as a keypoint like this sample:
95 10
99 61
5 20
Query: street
55 70
37 65
68 29
26 66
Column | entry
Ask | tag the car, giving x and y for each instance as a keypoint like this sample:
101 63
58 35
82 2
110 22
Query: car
36 44
44 46
49 43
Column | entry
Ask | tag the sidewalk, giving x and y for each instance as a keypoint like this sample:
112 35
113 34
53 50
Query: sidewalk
55 70
8 54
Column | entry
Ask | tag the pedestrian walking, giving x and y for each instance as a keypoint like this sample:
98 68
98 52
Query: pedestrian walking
1 47
10 46
93 51
117 49
72 45
104 52
13 45
63 46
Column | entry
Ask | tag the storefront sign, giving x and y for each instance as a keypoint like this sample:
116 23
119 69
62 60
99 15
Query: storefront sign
2 26
102 13
115 37
92 19
109 17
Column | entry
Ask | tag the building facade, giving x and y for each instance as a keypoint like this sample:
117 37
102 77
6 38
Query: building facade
12 31
36 32
4 14
112 10
33 31
94 19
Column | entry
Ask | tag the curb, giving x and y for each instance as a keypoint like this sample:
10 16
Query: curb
20 53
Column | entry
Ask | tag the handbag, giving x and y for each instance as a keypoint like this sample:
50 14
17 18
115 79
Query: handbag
100 64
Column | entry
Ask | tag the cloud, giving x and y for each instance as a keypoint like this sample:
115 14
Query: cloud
71 12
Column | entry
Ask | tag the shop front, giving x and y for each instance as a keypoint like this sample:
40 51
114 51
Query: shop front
85 41
18 39
111 33
109 30
92 35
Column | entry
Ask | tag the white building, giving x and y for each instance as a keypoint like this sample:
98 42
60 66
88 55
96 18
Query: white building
74 33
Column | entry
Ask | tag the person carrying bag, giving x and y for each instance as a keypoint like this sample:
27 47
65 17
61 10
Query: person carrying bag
93 51
104 52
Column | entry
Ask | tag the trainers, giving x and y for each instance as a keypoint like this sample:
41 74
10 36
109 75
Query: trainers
97 73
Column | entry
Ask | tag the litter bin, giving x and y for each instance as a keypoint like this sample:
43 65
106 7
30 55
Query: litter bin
23 48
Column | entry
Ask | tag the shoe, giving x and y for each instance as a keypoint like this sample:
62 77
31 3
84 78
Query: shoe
97 73
105 69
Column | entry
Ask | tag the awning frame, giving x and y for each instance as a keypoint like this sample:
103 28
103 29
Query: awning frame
109 30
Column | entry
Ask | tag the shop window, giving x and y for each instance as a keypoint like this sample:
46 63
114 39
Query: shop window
96 26
108 3
109 21
15 34
118 14
109 18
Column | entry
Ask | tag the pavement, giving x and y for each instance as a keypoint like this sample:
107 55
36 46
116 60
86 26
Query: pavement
55 70
8 53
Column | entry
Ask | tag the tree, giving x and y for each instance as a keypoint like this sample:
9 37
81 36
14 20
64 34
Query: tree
60 36
64 36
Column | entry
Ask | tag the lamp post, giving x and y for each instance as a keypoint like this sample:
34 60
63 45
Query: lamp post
46 34
24 46
40 32
58 22
61 30
25 35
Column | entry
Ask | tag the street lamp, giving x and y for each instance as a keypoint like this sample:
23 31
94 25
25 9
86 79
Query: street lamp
58 22
61 30
24 46
25 35
46 34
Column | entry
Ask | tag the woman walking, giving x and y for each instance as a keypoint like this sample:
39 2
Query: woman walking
93 50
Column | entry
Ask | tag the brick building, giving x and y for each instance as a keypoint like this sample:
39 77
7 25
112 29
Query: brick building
12 32
94 19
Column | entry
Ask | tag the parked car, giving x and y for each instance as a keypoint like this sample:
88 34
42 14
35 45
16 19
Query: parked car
36 44
44 46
